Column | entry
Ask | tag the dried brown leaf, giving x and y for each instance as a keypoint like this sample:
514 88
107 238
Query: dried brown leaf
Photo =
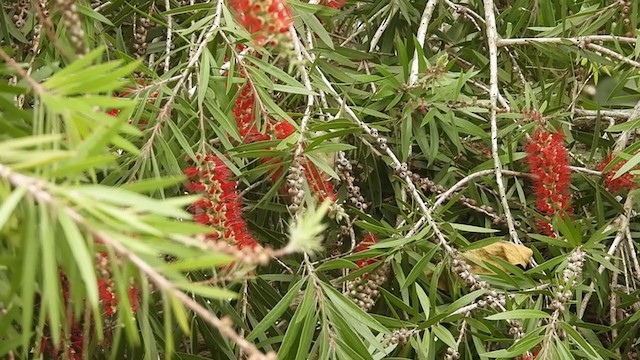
512 253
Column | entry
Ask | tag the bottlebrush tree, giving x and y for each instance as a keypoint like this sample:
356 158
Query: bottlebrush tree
323 179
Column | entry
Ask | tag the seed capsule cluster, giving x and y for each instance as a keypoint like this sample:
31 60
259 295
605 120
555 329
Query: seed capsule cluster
452 354
399 336
379 141
34 42
364 291
515 329
295 183
140 44
345 170
21 8
74 26
625 11
463 270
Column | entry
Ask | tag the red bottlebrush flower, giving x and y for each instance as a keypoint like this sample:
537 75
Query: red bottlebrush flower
266 20
334 4
221 207
549 163
114 112
243 112
191 171
321 186
620 184
283 129
76 341
195 186
107 297
108 301
368 240
134 297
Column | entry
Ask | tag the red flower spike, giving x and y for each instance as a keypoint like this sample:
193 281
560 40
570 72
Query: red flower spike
620 184
221 207
549 163
368 240
114 112
321 186
108 301
334 4
283 129
191 171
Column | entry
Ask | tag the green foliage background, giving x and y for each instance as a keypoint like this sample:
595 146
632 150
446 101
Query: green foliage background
75 181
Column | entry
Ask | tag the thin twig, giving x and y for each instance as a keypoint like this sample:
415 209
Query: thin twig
633 253
378 34
614 113
421 35
492 37
167 59
561 40
16 67
613 54
613 303
623 221
621 143
485 88
304 123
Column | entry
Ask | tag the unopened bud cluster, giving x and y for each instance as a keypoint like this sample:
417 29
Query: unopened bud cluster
574 267
72 23
569 280
345 170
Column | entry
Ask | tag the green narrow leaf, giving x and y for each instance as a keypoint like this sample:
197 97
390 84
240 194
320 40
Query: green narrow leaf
50 273
351 310
444 335
9 205
83 259
277 311
31 256
519 314
580 341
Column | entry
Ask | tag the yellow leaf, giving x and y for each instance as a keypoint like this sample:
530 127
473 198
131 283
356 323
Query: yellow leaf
512 253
